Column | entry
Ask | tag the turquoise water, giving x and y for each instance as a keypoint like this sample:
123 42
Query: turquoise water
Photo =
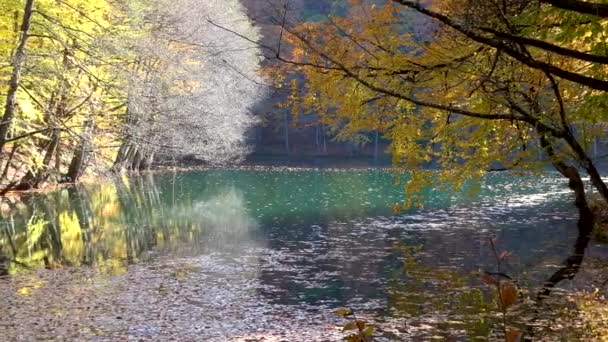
302 242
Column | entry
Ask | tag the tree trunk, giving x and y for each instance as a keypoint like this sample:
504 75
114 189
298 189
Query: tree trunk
122 156
585 223
317 143
324 132
17 64
286 127
58 159
130 157
8 162
573 262
81 155
136 162
588 165
33 179
571 173
376 138
147 161
76 165
595 147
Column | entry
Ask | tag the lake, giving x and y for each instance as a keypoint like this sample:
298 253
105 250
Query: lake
269 255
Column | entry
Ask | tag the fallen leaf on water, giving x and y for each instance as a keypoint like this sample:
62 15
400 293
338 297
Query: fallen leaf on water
344 312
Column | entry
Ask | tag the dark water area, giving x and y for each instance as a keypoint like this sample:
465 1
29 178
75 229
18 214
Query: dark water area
269 255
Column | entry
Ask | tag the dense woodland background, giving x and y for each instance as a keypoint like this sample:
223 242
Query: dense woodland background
281 136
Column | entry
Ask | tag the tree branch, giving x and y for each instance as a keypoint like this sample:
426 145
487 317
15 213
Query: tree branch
590 82
593 8
541 44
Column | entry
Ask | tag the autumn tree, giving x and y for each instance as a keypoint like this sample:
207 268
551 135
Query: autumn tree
91 84
16 65
474 86
193 92
58 88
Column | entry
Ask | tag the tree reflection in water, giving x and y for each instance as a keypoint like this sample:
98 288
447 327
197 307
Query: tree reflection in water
442 302
291 245
113 225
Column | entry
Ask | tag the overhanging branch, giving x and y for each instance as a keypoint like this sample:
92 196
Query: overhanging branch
527 60
585 7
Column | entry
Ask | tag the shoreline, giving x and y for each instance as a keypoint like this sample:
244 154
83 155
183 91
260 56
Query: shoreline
160 170
53 186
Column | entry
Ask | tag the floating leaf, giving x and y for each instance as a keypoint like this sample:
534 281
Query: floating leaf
369 331
25 291
344 312
350 326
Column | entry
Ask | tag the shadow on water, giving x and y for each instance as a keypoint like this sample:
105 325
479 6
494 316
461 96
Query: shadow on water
314 240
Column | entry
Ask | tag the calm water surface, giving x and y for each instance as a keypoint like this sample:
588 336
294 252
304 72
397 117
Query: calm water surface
268 255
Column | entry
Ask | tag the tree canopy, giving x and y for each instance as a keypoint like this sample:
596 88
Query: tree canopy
102 83
467 86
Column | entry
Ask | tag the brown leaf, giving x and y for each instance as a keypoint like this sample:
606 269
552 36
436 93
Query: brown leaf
489 280
513 335
508 294
361 325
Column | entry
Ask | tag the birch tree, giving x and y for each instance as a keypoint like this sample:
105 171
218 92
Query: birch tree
195 98
117 82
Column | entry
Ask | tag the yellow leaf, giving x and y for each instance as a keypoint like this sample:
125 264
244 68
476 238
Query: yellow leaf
349 326
24 291
344 312
369 331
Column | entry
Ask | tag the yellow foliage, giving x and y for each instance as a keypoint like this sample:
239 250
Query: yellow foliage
371 71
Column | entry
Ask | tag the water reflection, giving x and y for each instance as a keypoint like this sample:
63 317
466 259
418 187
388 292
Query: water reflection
119 223
251 246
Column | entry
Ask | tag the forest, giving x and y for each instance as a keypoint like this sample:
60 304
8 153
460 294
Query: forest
112 85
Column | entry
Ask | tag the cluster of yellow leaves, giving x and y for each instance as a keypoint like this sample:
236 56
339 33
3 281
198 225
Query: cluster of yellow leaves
65 58
362 70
